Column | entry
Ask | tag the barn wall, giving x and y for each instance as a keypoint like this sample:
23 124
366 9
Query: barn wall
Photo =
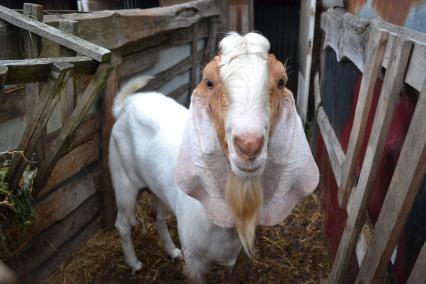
69 208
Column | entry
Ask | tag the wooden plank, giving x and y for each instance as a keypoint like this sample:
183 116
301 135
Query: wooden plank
389 94
46 244
399 199
114 29
65 252
165 39
164 76
418 274
138 62
54 208
193 73
32 70
373 64
180 91
12 105
72 42
107 121
10 40
88 128
209 49
85 102
34 130
332 144
71 164
347 34
69 96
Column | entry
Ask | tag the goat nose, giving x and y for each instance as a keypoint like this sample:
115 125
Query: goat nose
249 144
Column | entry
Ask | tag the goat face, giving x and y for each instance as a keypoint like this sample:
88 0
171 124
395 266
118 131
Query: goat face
244 85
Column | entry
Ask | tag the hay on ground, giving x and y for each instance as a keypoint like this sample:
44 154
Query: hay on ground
293 252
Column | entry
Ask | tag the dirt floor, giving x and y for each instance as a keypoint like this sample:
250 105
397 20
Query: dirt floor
293 252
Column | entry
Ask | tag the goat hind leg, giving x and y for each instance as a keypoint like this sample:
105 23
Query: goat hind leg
126 203
163 231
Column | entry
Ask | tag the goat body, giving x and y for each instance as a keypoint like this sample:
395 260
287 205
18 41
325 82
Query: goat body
144 147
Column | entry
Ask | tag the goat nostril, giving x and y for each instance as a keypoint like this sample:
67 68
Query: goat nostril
249 145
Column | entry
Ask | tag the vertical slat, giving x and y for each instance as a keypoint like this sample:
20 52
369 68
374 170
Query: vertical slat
107 122
418 274
399 199
194 76
373 63
68 97
389 94
32 49
3 75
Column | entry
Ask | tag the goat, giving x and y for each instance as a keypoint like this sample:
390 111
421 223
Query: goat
236 159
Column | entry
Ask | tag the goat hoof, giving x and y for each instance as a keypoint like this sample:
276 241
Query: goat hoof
176 254
137 267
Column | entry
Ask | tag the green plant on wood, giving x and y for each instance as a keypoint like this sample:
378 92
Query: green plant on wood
15 207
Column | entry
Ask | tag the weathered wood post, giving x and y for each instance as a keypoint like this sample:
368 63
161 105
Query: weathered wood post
69 96
32 49
106 124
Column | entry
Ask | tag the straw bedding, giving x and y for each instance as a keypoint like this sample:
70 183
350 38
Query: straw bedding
293 252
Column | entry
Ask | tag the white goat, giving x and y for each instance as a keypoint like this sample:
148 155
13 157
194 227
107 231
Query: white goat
219 152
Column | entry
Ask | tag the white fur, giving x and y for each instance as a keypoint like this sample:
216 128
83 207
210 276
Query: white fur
144 146
244 73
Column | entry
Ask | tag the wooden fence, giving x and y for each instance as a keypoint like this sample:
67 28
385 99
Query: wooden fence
58 77
374 46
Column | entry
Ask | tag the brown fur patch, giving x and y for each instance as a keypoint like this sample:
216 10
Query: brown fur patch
277 72
216 98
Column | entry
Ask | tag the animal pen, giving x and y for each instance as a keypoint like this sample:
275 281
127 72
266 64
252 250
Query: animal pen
59 73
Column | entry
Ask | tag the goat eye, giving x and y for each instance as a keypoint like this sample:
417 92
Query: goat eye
209 84
281 83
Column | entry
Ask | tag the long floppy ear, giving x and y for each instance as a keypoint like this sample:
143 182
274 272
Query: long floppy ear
291 172
202 168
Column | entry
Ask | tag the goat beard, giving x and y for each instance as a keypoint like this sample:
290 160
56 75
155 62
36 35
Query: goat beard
244 197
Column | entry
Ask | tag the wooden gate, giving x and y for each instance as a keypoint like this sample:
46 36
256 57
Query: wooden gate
375 46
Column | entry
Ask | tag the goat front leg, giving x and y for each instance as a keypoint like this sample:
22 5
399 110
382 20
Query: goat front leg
163 231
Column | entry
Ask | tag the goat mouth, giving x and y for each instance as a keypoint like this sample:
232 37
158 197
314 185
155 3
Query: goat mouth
246 170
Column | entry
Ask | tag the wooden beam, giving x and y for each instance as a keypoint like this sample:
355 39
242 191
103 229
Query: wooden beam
418 274
114 29
41 114
107 121
332 144
73 42
84 103
347 35
389 94
373 64
33 70
405 184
